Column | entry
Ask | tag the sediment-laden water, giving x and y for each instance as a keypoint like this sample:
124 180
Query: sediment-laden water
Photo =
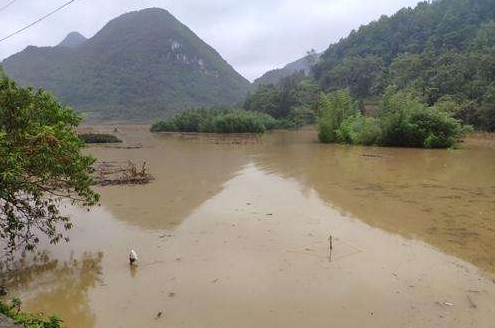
234 232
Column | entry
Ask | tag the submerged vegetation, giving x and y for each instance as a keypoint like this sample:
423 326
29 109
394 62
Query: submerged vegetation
217 121
404 120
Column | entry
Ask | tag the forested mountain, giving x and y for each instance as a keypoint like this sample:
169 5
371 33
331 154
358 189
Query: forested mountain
438 49
276 75
141 66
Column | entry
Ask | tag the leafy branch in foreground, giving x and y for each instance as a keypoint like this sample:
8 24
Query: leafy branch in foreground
41 164
13 311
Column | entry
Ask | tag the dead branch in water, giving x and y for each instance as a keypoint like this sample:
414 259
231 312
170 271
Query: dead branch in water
114 173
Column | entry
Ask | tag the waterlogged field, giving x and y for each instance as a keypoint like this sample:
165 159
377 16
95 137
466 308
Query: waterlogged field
233 232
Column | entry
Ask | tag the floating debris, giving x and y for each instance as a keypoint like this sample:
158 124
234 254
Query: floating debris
471 303
117 173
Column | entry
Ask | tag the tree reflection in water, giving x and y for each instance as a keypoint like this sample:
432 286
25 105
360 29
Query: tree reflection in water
55 287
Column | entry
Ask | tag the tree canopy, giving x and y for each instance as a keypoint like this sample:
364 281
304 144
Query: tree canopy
293 99
41 164
440 48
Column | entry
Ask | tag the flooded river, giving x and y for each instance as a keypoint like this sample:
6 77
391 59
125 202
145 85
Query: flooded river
234 233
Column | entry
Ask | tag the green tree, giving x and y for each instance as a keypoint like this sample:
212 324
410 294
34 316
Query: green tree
362 75
439 48
41 165
406 121
267 99
333 109
293 99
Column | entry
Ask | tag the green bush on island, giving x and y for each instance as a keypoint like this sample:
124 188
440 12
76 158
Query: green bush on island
13 311
98 138
217 121
359 130
404 120
333 109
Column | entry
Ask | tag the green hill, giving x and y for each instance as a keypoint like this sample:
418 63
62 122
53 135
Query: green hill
438 49
141 66
276 75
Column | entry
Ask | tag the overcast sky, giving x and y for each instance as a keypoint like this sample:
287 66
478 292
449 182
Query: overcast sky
252 35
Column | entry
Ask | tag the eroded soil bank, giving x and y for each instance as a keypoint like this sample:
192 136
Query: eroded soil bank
235 234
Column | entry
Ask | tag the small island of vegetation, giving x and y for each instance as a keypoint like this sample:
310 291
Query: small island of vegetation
217 121
98 138
403 120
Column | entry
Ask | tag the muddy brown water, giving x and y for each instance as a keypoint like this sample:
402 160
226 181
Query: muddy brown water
234 233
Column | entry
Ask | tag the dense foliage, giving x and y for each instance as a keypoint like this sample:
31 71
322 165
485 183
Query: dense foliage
98 138
442 48
40 164
217 121
141 66
13 311
292 100
404 120
333 109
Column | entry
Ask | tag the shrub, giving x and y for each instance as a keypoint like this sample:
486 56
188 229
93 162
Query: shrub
189 121
297 118
98 138
217 121
403 121
238 122
407 122
326 129
167 125
333 109
359 130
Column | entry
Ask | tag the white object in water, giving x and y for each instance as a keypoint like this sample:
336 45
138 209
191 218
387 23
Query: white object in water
133 256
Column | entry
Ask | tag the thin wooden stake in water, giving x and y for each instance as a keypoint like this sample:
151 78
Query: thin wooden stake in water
330 245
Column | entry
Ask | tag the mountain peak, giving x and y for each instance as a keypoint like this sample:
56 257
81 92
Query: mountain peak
140 66
72 40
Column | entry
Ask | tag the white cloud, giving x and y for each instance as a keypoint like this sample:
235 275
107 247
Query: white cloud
253 36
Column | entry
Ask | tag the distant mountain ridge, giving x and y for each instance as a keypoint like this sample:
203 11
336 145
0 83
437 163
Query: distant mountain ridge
140 66
73 40
274 76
